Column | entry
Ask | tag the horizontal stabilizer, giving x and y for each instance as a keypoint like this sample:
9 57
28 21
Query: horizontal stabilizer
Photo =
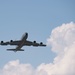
15 50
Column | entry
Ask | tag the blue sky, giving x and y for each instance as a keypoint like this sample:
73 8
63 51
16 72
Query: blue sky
38 18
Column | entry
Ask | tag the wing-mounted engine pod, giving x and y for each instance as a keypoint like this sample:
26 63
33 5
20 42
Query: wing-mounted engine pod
2 42
34 41
41 43
11 40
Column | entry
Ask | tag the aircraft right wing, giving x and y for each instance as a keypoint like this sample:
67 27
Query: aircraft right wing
34 43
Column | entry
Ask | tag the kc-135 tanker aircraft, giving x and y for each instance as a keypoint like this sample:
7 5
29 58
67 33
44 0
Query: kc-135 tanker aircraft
21 43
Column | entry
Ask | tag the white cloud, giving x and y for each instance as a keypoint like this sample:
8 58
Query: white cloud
62 42
16 68
62 37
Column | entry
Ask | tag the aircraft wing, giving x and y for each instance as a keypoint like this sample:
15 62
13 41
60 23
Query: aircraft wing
34 43
20 44
10 43
4 43
25 43
14 42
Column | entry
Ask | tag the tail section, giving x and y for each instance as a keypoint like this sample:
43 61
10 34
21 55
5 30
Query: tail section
15 50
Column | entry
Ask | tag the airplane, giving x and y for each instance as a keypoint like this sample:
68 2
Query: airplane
21 43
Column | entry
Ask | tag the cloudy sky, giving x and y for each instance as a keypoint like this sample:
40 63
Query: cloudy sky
49 21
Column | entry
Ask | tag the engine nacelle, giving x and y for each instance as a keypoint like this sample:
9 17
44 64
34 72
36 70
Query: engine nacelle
2 42
41 43
11 40
34 41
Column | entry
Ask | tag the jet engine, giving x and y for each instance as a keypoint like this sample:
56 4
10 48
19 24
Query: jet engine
2 42
11 40
34 41
41 43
